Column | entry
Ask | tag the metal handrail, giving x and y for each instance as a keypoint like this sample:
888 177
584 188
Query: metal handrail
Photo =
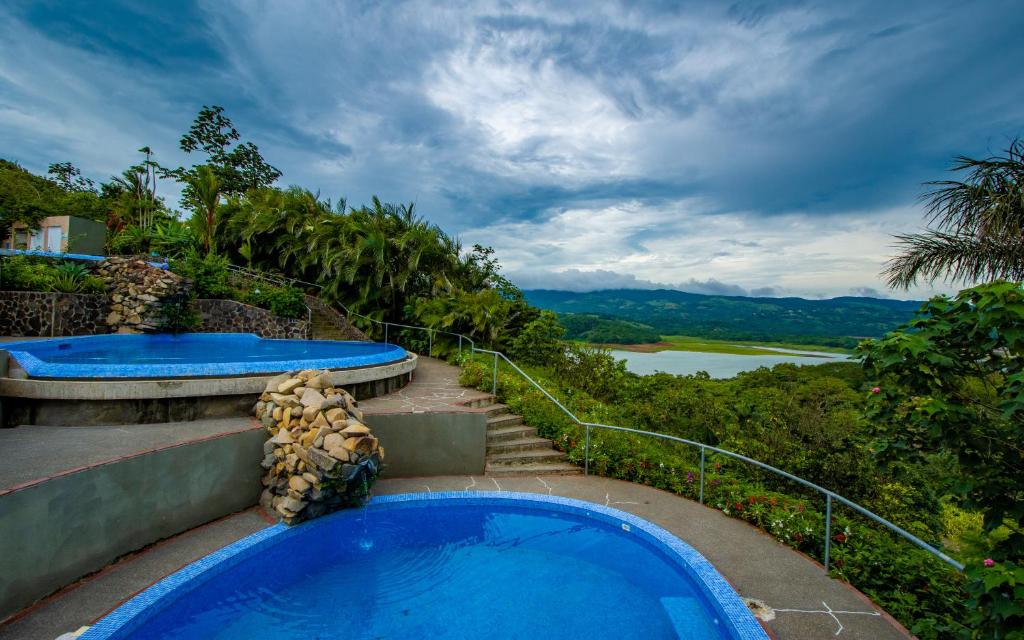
704 448
829 495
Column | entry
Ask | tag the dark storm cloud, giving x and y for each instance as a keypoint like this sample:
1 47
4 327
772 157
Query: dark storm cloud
496 115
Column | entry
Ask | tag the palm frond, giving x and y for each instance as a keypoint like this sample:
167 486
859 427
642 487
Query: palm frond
936 255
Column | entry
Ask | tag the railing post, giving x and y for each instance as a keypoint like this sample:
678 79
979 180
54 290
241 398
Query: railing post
460 344
828 528
494 386
586 454
385 333
430 343
702 475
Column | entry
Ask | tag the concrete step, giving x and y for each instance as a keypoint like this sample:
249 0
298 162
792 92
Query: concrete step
510 433
527 457
504 420
497 409
483 401
552 469
519 444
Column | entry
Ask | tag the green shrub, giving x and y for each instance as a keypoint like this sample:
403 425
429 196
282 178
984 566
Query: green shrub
285 301
179 316
208 272
540 341
27 273
916 588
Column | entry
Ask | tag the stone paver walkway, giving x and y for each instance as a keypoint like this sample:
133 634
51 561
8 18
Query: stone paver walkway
434 388
803 603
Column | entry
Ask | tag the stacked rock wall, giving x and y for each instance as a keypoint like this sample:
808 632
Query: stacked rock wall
320 456
136 292
38 313
229 316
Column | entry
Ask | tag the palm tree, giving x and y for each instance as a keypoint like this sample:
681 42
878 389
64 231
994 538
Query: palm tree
977 226
205 195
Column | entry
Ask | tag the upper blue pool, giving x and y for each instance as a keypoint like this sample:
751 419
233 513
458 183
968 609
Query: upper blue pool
445 565
188 355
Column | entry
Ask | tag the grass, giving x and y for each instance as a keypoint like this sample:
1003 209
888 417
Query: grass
707 345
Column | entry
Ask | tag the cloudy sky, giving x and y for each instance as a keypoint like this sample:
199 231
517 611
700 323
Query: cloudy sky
751 147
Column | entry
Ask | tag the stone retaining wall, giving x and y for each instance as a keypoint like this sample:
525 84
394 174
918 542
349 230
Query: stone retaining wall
138 292
229 316
35 313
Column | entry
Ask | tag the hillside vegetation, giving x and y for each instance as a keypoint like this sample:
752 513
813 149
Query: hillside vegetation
837 322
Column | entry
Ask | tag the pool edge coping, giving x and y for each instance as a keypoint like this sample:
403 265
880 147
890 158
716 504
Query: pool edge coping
168 388
39 369
741 622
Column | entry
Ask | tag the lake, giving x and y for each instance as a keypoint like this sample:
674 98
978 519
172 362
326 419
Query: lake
718 365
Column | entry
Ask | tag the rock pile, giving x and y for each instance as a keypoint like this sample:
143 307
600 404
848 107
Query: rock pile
321 456
136 290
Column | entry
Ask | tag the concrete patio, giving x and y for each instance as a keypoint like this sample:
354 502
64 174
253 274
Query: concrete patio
794 598
801 602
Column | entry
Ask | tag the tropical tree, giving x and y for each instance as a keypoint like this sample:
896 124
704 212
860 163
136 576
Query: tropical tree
205 197
952 381
977 225
238 170
69 177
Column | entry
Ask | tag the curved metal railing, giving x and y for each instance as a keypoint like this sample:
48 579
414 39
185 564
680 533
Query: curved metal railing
829 495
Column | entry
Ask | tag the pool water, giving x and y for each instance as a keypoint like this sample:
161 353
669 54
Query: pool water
416 570
191 354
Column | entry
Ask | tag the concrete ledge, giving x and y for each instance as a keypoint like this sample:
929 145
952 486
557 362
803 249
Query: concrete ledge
58 530
105 402
431 444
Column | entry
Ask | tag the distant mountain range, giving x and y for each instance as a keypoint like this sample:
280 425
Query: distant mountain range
837 321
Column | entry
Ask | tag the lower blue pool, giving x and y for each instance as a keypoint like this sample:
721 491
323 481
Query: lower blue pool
165 355
446 565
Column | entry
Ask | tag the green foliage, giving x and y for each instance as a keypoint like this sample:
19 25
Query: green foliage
287 302
540 341
959 525
236 170
976 224
834 322
204 198
380 260
916 588
952 381
28 198
595 329
26 273
208 273
178 315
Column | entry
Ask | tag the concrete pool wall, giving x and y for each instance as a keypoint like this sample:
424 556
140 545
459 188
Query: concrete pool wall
85 402
59 529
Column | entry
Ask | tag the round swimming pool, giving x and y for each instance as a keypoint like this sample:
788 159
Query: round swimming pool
446 565
190 355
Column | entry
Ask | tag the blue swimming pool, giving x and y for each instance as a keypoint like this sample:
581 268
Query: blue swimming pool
191 355
446 565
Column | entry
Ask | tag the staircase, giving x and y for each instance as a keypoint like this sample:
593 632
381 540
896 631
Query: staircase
324 328
513 449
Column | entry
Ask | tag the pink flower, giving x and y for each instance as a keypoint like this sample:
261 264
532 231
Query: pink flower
989 562
876 390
